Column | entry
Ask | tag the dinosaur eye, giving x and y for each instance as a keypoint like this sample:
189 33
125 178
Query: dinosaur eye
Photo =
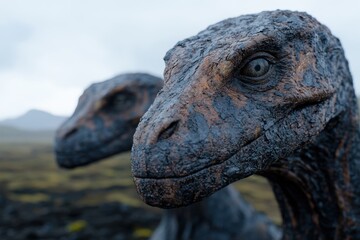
258 72
256 68
120 102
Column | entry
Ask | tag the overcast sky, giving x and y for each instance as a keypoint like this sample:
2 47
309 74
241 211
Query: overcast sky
51 50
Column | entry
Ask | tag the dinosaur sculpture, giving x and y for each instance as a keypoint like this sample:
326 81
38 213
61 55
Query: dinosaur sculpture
269 94
113 107
105 119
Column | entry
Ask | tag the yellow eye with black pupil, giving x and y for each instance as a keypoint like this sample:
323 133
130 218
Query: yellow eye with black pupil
256 68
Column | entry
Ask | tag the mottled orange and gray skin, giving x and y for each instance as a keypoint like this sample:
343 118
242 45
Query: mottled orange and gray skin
105 119
223 216
269 94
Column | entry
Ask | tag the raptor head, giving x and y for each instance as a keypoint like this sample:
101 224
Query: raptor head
238 97
105 119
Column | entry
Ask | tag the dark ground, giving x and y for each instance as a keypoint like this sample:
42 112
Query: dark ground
40 201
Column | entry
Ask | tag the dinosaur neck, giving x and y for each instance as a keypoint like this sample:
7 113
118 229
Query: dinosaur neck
223 215
222 211
318 187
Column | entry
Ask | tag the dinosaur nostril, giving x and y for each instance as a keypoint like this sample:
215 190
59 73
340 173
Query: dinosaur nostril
167 132
70 133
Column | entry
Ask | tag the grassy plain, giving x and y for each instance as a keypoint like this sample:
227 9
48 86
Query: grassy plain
29 177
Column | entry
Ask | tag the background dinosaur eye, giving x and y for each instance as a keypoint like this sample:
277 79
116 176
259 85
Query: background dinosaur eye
120 101
256 68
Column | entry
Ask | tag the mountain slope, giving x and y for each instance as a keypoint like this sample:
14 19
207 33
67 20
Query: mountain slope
34 120
14 135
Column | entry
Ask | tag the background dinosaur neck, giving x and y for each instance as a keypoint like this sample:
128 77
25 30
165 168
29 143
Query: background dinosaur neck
224 215
317 187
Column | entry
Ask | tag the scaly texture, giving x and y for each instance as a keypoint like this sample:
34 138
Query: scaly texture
113 108
269 94
105 119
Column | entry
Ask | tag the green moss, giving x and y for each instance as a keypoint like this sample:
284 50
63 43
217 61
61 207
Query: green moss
142 233
76 226
31 167
94 199
123 198
29 198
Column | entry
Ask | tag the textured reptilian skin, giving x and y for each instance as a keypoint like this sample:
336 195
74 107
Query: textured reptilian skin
103 124
105 119
269 94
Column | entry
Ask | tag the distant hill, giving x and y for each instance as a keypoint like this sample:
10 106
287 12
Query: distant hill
34 120
14 135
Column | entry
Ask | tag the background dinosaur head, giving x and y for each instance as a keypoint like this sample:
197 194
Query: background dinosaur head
239 96
105 119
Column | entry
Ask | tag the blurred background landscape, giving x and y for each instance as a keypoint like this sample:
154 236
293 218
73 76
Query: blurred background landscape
40 201
50 51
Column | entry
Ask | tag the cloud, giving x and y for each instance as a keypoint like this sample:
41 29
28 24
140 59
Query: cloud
21 88
11 34
51 50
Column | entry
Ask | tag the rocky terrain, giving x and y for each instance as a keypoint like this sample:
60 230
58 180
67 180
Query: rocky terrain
40 201
55 220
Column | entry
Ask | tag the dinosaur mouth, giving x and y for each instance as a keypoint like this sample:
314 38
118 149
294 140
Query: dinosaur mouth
79 157
63 150
204 168
177 191
228 157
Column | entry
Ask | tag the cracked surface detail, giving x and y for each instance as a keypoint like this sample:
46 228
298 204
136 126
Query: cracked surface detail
113 99
270 94
105 119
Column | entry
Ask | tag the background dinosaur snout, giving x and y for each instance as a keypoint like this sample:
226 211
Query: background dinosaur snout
105 119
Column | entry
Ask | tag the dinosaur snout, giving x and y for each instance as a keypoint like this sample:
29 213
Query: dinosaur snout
168 131
66 133
156 142
68 129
